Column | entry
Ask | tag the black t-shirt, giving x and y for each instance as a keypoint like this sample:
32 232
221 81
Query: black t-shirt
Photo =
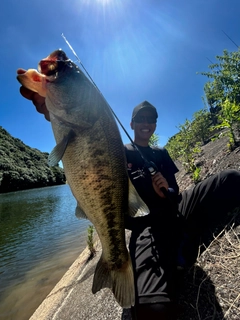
143 182
153 240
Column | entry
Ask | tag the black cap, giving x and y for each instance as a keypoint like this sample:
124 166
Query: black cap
144 105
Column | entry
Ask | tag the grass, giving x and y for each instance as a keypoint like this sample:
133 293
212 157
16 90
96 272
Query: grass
90 242
211 288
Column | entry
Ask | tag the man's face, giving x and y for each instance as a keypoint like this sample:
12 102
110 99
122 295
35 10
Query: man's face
143 126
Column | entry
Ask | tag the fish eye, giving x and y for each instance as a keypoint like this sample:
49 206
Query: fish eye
51 67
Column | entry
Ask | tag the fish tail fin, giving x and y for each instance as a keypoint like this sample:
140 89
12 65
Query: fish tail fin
120 281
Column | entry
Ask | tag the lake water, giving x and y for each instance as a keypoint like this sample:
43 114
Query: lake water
40 237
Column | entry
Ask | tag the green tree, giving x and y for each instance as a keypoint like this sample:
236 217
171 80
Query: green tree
225 84
201 126
183 146
187 149
173 146
228 118
154 140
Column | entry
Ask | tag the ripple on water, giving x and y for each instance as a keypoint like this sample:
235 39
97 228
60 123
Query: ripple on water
40 238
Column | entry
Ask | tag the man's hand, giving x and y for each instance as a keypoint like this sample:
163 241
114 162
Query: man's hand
37 100
159 182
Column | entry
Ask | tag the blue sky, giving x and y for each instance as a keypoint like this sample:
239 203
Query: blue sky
134 50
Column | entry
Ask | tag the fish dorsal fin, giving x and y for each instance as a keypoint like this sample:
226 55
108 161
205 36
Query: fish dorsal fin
79 213
58 151
136 206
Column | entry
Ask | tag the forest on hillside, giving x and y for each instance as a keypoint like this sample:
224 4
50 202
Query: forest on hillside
22 167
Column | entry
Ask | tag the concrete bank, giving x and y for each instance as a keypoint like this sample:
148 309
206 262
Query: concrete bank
72 298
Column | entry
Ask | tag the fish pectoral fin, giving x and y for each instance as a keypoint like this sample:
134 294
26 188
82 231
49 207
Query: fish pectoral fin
120 281
79 213
136 206
58 151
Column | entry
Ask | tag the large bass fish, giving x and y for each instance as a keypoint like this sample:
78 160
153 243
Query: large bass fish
90 147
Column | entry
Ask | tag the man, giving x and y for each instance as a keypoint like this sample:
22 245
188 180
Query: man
156 237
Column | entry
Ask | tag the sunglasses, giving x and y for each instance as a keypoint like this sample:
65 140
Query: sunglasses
143 119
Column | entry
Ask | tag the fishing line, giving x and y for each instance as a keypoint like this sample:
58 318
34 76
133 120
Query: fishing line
230 39
71 48
118 120
149 165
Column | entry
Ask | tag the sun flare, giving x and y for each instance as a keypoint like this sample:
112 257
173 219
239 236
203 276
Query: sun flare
103 2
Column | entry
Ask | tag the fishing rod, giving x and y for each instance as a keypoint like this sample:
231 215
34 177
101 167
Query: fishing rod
230 39
149 165
71 48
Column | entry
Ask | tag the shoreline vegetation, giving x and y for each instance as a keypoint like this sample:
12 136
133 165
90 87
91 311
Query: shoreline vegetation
23 167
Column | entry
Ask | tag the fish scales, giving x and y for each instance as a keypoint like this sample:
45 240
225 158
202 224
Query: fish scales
99 190
90 146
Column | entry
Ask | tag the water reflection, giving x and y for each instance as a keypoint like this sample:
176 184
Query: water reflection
40 237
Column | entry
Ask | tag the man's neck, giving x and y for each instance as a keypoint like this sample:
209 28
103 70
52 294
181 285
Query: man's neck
141 143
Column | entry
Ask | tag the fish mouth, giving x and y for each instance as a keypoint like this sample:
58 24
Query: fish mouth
54 63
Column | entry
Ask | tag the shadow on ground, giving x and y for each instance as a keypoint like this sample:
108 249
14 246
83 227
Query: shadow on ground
198 299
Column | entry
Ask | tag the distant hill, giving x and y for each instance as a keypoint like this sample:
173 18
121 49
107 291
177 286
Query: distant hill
22 167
